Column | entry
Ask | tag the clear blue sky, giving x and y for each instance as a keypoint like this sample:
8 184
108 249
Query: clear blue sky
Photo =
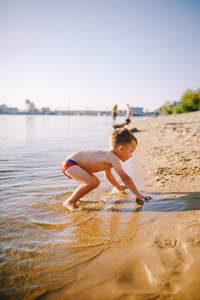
97 53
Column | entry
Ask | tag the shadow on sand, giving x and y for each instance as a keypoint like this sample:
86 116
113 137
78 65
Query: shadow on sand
166 202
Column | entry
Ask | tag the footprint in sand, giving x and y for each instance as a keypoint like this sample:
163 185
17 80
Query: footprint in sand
173 260
168 243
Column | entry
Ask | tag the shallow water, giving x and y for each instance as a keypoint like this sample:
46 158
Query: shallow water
41 243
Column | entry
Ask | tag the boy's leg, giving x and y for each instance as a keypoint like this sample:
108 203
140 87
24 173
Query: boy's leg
89 182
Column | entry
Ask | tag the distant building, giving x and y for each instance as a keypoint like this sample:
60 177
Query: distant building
45 110
137 111
171 102
30 107
3 109
8 110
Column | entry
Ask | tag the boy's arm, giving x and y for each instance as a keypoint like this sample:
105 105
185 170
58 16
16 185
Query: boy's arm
127 180
109 176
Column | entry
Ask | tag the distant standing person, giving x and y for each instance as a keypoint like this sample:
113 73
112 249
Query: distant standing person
114 113
128 113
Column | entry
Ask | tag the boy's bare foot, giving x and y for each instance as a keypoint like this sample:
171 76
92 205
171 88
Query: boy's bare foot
71 206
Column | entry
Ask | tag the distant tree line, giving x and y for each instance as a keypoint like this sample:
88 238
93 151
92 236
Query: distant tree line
190 101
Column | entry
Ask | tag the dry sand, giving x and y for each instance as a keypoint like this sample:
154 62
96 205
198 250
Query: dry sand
162 260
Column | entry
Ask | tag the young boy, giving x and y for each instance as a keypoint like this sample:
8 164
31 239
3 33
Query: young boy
82 165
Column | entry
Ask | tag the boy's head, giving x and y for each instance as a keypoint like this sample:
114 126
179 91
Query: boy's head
121 137
123 143
127 121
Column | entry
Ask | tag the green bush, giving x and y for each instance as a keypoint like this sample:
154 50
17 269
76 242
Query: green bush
178 109
166 109
190 101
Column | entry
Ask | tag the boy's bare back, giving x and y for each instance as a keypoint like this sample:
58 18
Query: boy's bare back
93 161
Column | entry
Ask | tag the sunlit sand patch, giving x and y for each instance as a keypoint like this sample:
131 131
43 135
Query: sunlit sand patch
115 191
93 206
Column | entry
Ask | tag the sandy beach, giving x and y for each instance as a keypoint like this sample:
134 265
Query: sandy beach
162 260
170 151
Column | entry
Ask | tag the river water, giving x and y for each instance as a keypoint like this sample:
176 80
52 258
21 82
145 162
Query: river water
42 244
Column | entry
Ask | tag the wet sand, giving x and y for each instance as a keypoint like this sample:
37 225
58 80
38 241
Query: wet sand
158 255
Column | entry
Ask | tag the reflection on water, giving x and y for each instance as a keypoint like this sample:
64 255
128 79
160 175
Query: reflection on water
42 244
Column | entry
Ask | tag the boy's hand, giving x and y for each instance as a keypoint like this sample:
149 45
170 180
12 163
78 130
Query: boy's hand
143 197
121 187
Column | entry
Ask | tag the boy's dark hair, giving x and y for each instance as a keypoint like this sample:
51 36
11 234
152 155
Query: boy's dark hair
121 137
